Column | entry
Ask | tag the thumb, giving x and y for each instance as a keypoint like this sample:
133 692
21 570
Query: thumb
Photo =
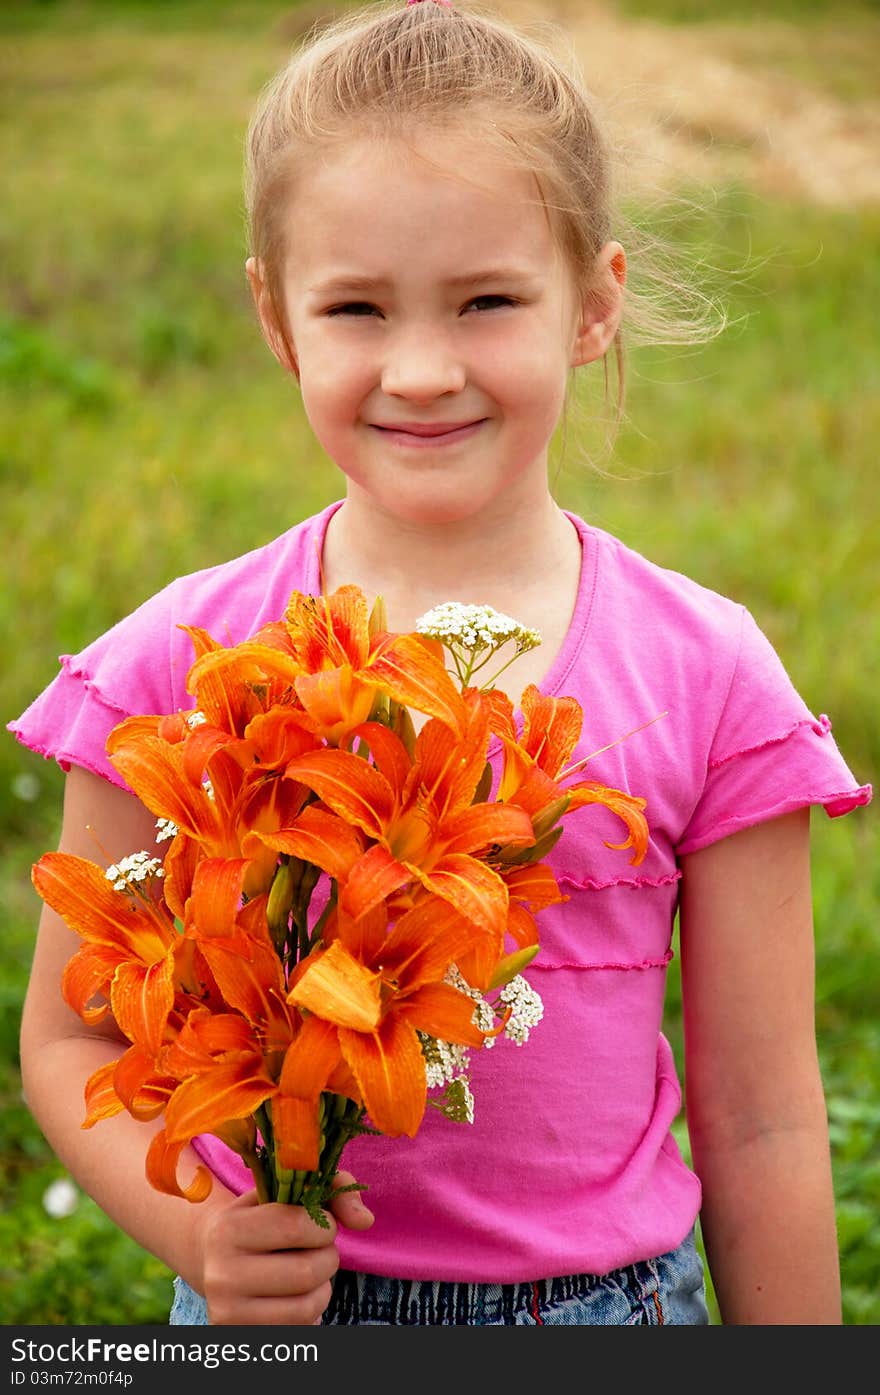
349 1207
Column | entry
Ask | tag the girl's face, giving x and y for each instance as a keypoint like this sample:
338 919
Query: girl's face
434 323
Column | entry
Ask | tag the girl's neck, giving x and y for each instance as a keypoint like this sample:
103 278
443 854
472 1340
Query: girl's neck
474 559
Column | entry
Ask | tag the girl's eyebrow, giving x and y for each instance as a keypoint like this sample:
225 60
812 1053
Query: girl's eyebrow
508 275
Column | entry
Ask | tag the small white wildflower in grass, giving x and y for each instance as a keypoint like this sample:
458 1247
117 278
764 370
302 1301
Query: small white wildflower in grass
526 1009
475 632
139 867
165 829
26 787
60 1198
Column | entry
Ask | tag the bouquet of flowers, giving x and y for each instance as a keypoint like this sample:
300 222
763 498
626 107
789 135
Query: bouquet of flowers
282 1029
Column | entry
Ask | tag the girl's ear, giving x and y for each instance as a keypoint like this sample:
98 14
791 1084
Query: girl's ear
601 308
268 320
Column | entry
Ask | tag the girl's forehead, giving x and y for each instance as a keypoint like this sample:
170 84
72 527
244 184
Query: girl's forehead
444 166
443 199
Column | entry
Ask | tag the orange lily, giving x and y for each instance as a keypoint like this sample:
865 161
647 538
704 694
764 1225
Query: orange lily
215 1077
534 770
345 659
419 817
327 662
133 956
368 1012
225 821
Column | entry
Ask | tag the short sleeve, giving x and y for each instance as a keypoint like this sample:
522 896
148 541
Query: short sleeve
770 754
127 670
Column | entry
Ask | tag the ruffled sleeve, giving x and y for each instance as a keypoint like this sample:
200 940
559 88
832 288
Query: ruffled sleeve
127 670
770 754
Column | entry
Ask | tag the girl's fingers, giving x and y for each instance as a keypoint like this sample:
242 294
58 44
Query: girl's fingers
304 1310
349 1208
254 1228
284 1273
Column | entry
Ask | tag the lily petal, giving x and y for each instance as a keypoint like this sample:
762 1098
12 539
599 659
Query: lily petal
349 786
483 824
232 1090
141 999
310 1060
390 1071
102 1101
81 894
444 1012
373 877
155 772
627 807
474 889
410 670
86 975
322 838
161 1168
297 1135
551 728
340 989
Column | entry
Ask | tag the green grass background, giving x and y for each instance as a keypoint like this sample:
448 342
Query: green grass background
146 431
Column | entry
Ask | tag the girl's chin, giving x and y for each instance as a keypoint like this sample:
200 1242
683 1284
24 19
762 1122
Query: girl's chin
426 503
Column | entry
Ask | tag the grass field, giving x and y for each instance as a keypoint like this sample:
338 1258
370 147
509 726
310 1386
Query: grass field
146 431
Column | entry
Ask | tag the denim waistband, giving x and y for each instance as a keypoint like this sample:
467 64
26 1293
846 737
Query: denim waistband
365 1298
668 1290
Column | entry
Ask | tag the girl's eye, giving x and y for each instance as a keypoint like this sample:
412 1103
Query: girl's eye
353 307
491 302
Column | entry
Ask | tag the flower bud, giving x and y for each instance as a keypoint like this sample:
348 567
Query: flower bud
550 815
280 902
511 965
378 618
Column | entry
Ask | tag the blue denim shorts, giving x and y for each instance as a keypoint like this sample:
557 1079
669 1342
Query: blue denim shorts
669 1290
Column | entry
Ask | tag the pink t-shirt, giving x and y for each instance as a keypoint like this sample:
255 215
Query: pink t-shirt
570 1165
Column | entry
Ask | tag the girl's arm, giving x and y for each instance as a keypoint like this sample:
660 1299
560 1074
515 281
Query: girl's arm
755 1105
267 1264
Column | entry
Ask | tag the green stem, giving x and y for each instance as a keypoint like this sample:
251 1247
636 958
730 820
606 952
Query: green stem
259 1175
501 669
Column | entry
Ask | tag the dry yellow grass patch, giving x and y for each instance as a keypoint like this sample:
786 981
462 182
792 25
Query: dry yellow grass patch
714 103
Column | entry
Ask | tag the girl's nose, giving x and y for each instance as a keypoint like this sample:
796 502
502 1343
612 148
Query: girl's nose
421 367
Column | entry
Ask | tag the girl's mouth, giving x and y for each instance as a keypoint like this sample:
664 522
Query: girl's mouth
425 435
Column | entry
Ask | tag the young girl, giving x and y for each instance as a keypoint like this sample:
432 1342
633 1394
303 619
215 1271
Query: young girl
432 256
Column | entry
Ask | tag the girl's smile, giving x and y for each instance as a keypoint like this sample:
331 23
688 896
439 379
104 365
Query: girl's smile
429 435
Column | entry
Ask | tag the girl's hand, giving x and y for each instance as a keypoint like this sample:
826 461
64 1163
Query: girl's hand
271 1264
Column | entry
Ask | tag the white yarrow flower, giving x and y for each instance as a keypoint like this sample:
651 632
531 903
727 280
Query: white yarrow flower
526 1007
139 867
165 829
444 1060
474 627
196 719
472 634
446 1065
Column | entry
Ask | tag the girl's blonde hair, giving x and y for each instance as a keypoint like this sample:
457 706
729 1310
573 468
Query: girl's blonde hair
394 70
